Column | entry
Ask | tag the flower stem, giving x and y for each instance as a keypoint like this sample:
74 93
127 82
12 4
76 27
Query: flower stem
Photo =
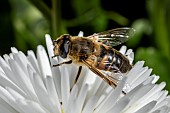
56 18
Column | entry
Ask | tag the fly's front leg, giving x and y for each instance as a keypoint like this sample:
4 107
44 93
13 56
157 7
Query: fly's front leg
67 62
54 56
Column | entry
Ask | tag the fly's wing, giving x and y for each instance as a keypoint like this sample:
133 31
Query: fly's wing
114 37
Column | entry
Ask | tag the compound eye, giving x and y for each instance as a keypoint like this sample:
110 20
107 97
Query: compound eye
64 47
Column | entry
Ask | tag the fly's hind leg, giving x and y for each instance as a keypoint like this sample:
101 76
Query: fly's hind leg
97 72
66 62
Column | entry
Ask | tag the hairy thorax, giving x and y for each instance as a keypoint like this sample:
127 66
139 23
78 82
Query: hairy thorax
81 48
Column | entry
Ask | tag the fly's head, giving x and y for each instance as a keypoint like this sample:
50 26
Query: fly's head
62 45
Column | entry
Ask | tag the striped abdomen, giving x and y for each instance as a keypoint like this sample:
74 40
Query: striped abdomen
111 60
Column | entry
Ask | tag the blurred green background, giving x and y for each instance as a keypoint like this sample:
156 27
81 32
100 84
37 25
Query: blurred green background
23 24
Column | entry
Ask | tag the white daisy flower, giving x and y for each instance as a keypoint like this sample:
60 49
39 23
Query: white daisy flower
30 84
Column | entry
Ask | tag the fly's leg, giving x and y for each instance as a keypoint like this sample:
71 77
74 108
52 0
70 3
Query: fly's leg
67 62
78 74
107 79
54 56
97 72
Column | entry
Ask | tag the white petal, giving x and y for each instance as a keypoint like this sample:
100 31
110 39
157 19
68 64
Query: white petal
103 89
123 50
71 108
157 111
135 73
10 76
33 61
147 107
81 98
3 63
164 109
73 68
50 47
136 97
164 102
6 108
7 57
156 78
143 76
148 80
22 79
119 106
6 71
94 87
15 94
108 102
55 70
22 61
71 101
52 92
135 70
65 86
14 50
42 94
90 105
8 83
31 107
57 80
83 77
8 98
43 62
80 34
153 94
